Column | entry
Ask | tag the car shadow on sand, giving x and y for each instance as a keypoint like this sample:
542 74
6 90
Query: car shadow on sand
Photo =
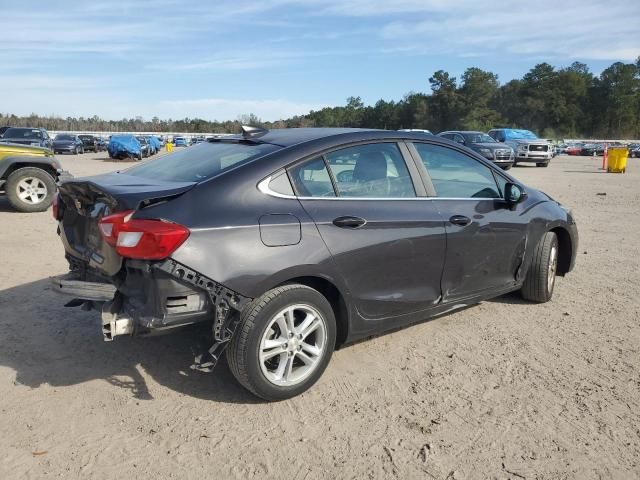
46 343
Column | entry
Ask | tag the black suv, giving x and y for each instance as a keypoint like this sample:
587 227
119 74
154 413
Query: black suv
289 243
89 142
34 137
499 153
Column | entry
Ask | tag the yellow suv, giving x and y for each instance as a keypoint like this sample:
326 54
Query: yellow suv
28 176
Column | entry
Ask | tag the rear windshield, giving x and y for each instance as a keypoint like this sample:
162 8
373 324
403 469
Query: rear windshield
200 162
64 137
22 133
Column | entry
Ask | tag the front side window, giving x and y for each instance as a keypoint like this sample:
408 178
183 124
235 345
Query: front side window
456 175
375 170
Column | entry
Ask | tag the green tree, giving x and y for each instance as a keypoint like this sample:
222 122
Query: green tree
477 96
444 100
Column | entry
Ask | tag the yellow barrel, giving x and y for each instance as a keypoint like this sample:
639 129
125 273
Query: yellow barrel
617 160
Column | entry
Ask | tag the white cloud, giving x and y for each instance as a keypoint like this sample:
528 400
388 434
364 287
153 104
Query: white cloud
587 30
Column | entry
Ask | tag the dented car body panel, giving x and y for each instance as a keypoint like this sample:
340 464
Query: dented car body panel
407 262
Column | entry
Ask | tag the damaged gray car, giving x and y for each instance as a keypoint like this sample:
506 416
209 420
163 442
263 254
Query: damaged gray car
289 243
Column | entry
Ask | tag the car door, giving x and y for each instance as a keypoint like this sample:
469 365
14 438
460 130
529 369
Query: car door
486 239
388 243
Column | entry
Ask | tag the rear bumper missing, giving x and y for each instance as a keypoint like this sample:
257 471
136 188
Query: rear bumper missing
71 286
149 297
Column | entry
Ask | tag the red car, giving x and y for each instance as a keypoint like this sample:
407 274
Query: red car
573 150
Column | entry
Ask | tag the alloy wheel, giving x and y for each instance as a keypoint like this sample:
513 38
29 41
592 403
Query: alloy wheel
553 266
292 345
31 190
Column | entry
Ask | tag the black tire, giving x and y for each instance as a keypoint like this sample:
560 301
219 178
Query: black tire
544 164
243 352
507 167
12 187
541 277
75 152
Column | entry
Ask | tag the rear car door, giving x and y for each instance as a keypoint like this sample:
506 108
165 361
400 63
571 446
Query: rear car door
387 241
486 239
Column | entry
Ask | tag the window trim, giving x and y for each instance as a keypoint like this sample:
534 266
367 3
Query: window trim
414 173
418 172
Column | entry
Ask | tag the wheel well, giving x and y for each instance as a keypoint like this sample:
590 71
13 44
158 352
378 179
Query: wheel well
335 298
42 166
565 250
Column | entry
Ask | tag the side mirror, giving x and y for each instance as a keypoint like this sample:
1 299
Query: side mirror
514 193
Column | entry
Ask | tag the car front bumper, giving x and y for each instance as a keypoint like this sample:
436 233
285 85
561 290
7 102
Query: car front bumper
65 148
536 157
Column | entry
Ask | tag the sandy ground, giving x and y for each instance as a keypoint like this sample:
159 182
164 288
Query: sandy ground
504 389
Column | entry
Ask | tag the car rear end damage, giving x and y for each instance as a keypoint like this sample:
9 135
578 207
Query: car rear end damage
120 264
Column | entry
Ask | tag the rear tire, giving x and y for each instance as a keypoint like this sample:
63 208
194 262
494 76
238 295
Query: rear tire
541 277
507 167
275 359
30 189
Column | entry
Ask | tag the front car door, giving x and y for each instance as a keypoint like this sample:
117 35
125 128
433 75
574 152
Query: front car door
486 239
386 237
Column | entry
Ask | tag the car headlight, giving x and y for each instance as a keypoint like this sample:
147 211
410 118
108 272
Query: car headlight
486 152
522 148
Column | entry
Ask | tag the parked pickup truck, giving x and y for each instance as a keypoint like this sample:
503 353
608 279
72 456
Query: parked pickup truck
526 145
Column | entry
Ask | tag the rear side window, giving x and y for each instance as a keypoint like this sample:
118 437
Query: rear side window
456 175
374 170
200 162
311 179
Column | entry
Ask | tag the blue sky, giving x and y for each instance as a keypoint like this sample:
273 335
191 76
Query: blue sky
275 58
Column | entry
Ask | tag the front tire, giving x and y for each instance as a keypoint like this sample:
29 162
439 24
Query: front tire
30 189
283 342
541 277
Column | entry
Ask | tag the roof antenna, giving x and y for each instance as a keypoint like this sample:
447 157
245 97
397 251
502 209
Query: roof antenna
253 132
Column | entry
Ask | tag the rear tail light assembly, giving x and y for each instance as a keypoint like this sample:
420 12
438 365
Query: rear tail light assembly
142 239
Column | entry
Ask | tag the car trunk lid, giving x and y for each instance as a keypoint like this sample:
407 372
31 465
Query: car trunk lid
86 200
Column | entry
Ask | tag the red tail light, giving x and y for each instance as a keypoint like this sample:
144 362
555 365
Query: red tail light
109 226
141 238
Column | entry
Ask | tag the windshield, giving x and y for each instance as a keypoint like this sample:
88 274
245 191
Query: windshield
84 137
479 138
63 137
203 161
22 133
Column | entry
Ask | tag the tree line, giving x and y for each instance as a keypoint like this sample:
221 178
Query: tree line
553 102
